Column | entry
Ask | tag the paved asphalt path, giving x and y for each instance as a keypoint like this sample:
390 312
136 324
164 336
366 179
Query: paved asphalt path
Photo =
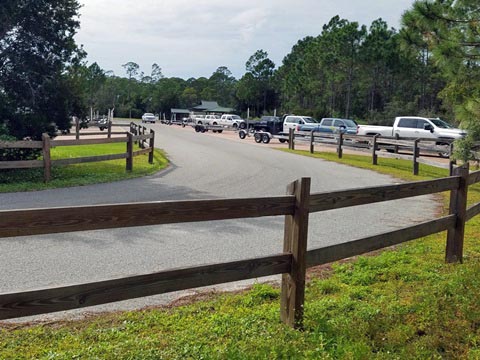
202 167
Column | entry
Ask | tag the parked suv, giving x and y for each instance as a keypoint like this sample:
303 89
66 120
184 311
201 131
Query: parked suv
296 121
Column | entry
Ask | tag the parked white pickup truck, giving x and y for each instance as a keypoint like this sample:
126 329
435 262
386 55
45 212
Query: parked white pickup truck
414 127
232 120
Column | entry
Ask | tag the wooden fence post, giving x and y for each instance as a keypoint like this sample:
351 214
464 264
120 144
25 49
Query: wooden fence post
144 140
47 163
374 150
312 145
152 146
291 139
109 134
416 154
458 206
295 242
340 144
451 161
77 128
129 164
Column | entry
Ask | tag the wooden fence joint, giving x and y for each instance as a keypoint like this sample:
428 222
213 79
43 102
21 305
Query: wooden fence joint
458 207
295 242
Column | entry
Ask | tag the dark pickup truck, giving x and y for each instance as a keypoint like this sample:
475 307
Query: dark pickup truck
270 124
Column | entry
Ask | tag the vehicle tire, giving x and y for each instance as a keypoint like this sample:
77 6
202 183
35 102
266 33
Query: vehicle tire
243 125
198 128
214 123
242 134
444 154
203 130
214 131
235 126
265 138
219 131
282 140
258 138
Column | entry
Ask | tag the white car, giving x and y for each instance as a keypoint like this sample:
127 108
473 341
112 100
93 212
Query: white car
148 117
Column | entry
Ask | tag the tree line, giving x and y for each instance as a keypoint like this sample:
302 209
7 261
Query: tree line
430 66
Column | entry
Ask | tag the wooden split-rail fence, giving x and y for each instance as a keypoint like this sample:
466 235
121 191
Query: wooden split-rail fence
292 262
137 134
373 144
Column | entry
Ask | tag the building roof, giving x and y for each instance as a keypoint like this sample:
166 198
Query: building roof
211 106
221 109
206 105
179 111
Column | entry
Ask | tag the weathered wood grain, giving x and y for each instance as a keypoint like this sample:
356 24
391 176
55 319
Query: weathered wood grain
472 211
344 198
458 207
78 296
142 151
357 247
80 218
21 144
142 136
23 164
474 178
295 242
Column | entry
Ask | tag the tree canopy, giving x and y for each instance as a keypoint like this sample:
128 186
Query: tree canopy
36 50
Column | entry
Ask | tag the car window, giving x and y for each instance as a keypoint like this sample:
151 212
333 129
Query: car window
441 124
422 123
327 122
308 120
350 123
338 123
407 123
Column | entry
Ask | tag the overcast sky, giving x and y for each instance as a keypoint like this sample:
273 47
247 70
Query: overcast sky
193 38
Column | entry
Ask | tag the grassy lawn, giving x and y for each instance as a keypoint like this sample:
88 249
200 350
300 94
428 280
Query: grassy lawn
81 174
404 303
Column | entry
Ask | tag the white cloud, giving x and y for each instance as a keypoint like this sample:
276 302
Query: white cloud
192 38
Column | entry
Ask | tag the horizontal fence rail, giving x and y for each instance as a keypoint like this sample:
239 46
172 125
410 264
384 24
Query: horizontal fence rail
368 195
141 136
102 292
292 263
332 253
79 218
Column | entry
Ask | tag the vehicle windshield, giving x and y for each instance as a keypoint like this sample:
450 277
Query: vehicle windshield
148 114
309 120
441 124
236 117
350 123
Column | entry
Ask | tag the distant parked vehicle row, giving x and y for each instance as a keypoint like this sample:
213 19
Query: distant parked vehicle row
332 126
230 120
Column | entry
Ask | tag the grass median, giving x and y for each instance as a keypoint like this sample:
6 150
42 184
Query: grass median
81 174
401 303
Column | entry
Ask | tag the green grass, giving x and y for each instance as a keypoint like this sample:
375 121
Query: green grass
81 174
399 304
